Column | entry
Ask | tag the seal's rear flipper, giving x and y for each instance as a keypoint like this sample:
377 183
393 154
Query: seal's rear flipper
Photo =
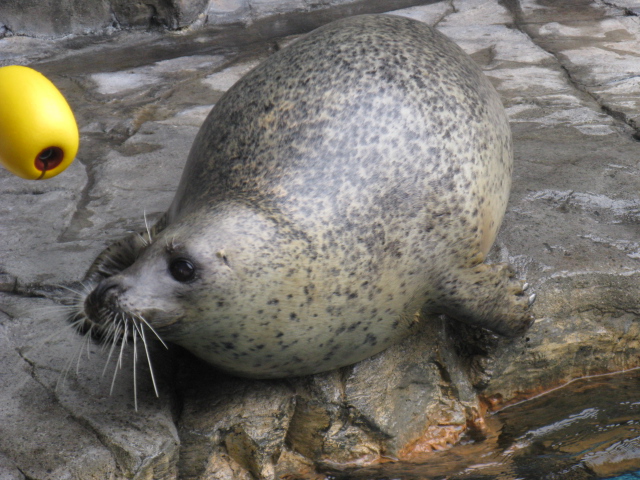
488 296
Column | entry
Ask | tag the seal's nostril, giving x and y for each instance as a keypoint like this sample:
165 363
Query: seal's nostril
103 296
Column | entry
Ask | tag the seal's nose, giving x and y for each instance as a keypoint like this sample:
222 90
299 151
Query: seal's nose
103 300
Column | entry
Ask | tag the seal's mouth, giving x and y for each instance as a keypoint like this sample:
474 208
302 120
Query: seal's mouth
101 305
98 316
97 313
95 309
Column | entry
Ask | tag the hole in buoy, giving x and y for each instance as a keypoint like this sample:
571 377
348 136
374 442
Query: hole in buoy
49 158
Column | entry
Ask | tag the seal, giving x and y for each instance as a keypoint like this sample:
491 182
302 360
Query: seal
350 182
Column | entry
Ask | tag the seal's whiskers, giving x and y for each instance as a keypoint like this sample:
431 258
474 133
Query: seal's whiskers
140 327
148 228
152 330
87 344
60 330
135 362
75 358
118 365
115 329
69 310
57 309
79 293
144 241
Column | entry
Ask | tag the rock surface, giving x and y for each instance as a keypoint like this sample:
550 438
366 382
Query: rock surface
568 77
58 18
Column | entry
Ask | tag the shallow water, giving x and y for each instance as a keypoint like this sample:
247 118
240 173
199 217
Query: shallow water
589 429
628 476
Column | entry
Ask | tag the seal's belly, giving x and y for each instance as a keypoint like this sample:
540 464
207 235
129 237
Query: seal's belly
291 335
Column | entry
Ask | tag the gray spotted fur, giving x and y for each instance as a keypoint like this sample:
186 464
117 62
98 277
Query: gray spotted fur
350 180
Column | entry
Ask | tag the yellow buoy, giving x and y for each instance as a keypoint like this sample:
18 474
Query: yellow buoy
38 132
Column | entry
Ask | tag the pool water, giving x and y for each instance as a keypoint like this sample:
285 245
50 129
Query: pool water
628 476
587 430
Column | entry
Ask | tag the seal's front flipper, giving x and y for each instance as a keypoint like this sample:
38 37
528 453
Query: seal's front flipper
115 258
121 254
488 296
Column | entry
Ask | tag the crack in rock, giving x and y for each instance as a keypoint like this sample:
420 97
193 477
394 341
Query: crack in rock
515 9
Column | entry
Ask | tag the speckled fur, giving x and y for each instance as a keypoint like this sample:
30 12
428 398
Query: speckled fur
353 178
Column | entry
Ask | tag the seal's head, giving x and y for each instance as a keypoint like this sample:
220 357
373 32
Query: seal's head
243 270
193 268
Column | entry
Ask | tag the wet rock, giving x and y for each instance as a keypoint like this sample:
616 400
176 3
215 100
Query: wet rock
57 18
229 425
566 78
156 13
413 398
54 17
61 419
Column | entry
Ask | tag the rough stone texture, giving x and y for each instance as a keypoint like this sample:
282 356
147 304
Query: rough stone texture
53 17
568 79
57 18
581 179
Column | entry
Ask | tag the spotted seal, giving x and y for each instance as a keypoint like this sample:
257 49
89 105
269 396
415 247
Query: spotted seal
354 179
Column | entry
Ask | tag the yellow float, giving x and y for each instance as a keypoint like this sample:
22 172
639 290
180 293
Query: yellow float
38 132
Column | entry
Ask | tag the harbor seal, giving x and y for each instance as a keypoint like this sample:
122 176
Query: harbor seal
354 179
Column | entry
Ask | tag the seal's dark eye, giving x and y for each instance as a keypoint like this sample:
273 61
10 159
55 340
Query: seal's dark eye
182 270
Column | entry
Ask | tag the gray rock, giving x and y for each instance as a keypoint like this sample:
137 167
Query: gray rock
57 18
